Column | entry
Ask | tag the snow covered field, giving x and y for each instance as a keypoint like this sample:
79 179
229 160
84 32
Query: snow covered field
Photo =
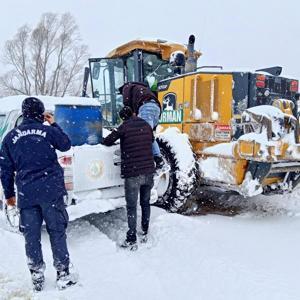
254 255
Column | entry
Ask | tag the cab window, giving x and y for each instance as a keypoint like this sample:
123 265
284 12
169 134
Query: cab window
155 69
107 76
130 69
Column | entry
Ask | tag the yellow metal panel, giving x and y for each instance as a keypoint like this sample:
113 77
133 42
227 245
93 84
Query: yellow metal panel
286 106
211 94
283 149
249 149
246 148
240 170
200 90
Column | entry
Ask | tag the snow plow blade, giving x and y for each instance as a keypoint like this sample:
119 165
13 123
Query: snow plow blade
249 170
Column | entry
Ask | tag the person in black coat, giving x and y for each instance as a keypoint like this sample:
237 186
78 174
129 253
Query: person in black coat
28 159
144 103
137 167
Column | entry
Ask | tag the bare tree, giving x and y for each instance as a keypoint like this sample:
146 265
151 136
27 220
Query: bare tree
45 60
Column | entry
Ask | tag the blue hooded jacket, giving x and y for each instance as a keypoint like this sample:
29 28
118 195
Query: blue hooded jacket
29 159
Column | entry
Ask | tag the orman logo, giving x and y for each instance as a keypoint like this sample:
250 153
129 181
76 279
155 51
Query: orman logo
170 113
95 169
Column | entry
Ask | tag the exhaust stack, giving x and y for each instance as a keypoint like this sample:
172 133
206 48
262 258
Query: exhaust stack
191 62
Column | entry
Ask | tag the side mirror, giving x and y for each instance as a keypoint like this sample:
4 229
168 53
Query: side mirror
96 70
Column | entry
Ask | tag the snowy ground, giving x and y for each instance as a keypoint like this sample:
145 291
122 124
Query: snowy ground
254 255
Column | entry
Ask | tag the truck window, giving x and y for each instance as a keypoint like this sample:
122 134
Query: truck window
2 118
2 127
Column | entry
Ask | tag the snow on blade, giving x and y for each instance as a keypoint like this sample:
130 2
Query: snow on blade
221 149
212 168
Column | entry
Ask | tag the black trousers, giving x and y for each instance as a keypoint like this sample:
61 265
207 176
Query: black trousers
134 186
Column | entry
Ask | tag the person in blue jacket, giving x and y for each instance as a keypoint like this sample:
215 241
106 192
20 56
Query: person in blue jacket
28 161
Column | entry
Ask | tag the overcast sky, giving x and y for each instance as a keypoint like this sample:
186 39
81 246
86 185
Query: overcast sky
235 34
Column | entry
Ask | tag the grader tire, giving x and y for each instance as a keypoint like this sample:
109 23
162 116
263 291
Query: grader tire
181 185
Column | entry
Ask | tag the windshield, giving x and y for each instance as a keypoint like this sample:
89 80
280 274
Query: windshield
107 76
155 69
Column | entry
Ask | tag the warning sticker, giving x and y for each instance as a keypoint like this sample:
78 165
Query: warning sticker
222 132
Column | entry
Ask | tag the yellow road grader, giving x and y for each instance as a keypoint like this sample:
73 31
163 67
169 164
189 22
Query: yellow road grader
241 128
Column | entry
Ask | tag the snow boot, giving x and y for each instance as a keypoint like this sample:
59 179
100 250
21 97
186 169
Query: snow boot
132 246
65 279
144 237
38 280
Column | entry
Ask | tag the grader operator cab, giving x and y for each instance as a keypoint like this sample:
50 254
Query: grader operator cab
243 127
138 61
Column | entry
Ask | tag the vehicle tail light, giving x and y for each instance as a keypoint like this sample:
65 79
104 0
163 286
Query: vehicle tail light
294 86
66 164
65 160
260 81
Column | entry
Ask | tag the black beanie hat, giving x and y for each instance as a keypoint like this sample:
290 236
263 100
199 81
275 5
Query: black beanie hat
125 113
33 108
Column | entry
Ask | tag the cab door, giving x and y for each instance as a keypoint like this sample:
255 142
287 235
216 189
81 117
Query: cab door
107 75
